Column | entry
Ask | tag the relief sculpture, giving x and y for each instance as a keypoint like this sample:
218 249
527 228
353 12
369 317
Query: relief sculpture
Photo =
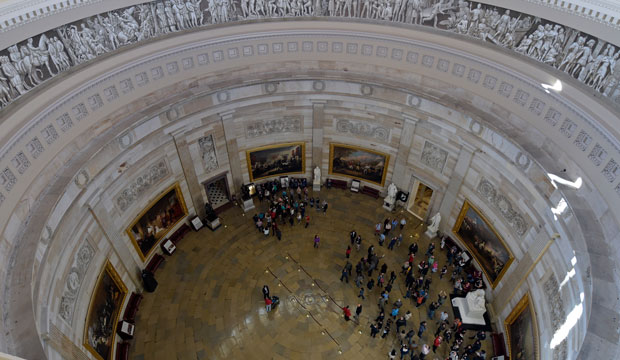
586 58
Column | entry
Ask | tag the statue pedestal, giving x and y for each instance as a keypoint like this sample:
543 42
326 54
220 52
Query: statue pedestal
430 233
471 308
248 205
389 204
213 223
316 186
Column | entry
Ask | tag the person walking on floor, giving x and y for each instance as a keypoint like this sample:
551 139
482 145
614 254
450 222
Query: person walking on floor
268 303
436 343
265 291
345 274
325 206
361 294
373 330
358 311
307 220
317 239
392 354
347 313
421 329
348 251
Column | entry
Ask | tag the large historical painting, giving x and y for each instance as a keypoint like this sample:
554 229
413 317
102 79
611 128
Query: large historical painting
158 218
275 160
358 163
105 306
522 331
483 242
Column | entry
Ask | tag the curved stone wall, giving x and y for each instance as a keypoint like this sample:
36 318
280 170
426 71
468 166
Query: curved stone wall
581 56
416 88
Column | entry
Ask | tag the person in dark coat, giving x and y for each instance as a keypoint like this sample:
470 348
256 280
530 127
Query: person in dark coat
265 291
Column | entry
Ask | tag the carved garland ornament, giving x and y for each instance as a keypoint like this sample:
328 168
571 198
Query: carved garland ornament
25 65
491 195
74 281
287 124
362 128
143 182
433 156
558 314
207 153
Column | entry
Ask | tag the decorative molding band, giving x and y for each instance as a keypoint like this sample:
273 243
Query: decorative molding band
150 176
433 156
29 63
557 314
363 128
287 124
500 202
207 153
74 281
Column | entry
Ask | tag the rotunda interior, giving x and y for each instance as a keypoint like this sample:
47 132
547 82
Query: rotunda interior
138 140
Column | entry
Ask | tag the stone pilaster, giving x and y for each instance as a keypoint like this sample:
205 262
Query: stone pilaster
399 175
456 180
232 149
189 171
122 247
318 111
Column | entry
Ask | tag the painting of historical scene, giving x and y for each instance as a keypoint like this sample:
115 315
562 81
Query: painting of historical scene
483 242
358 163
158 218
281 159
522 331
105 305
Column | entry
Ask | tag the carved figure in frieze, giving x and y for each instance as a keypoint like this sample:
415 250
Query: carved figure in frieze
59 57
162 20
365 7
583 58
170 18
13 76
610 79
550 57
260 7
603 68
23 65
502 26
5 92
524 45
537 42
93 42
387 12
39 54
178 15
571 54
462 26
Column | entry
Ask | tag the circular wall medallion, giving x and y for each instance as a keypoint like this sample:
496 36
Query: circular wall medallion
366 90
318 85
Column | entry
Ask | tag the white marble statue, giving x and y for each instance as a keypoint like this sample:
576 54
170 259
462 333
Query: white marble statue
317 176
391 194
434 226
476 301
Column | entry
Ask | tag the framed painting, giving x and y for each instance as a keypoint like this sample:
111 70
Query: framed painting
276 160
483 242
358 163
103 312
157 220
522 331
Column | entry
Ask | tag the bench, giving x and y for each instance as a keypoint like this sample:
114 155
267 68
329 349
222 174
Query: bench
154 263
499 347
178 235
370 192
132 307
341 184
122 351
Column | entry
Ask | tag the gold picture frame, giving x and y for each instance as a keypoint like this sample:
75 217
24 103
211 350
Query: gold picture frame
483 242
100 326
154 222
261 163
365 157
522 342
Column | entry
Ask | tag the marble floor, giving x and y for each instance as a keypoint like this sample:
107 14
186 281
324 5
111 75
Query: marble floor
209 303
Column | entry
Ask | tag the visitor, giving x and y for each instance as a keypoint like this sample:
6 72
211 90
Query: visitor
347 313
316 240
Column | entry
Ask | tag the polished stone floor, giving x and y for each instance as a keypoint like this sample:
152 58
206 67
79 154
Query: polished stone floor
209 303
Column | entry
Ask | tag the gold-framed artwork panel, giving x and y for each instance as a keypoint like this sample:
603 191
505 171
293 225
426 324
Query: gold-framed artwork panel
276 160
103 312
522 331
156 220
483 242
362 164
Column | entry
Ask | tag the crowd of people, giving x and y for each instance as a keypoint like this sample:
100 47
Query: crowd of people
417 274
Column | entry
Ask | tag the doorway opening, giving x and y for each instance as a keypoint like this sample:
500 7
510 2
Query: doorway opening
419 204
218 193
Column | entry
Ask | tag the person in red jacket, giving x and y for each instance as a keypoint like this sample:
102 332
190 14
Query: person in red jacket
347 313
268 303
437 342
